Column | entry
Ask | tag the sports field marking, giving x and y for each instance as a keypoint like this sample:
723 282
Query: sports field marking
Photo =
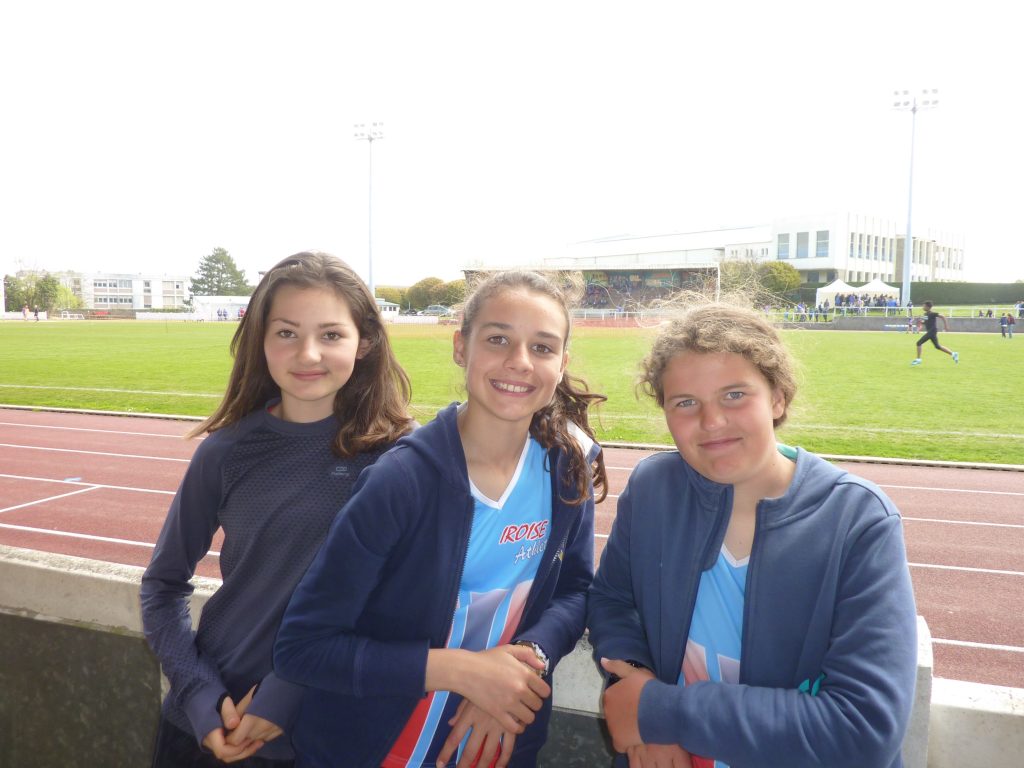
86 429
87 537
965 568
951 490
92 453
961 522
106 389
48 498
983 646
89 485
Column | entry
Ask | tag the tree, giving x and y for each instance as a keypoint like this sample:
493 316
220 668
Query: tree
218 275
758 282
37 289
391 293
66 299
779 277
454 293
426 292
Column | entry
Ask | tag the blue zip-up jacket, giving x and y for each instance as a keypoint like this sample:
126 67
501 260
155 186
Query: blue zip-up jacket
382 592
828 600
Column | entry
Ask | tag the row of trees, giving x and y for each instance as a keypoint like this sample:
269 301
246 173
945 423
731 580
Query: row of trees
430 290
37 290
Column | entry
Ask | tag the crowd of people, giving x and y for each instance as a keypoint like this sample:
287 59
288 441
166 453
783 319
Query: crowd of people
399 595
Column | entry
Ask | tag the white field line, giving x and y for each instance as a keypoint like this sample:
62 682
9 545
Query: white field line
48 498
110 389
961 522
92 453
87 537
950 490
966 569
89 485
983 646
87 429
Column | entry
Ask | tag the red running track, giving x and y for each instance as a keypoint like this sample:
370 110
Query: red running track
98 486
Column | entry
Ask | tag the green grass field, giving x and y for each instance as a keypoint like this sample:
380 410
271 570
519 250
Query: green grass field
858 394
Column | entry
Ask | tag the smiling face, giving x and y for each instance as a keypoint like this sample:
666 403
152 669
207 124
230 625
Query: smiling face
514 356
311 345
720 410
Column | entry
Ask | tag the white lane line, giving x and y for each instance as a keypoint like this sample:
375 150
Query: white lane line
88 429
107 389
961 522
983 646
93 453
88 485
965 568
48 498
950 490
87 537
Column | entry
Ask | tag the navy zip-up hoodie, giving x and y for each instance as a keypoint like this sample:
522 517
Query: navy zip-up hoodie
828 659
382 592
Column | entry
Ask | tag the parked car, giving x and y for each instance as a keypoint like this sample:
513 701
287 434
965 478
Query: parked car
437 309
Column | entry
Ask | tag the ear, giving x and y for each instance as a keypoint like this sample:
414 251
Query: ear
362 349
459 349
565 362
778 404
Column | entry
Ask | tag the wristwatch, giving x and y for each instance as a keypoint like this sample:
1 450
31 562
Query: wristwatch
539 653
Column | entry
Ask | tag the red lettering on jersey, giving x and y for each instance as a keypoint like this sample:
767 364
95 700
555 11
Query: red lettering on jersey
529 531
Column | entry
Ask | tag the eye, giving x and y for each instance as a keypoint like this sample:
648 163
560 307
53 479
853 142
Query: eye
285 333
688 402
333 336
497 340
734 396
543 349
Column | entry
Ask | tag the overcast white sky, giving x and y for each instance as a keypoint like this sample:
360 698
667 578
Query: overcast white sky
139 136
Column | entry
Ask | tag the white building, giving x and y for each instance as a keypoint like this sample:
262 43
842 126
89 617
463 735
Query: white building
822 248
121 291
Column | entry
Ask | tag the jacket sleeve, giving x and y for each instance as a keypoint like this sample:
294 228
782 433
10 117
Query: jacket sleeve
860 713
318 644
616 631
563 620
188 530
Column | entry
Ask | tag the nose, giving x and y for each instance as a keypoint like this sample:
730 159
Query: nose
309 351
712 417
518 358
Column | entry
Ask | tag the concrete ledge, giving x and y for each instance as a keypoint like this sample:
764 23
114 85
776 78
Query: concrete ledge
976 724
78 686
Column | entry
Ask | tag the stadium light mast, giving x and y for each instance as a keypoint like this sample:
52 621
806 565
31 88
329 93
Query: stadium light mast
907 101
369 133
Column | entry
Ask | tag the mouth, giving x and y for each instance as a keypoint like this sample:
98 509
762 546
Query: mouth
721 444
510 388
308 375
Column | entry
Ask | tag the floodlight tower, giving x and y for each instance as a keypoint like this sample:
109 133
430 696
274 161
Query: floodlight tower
908 101
369 133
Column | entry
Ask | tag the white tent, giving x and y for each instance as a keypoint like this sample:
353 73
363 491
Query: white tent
877 287
832 290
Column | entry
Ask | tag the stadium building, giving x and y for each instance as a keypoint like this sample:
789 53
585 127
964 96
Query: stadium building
626 270
119 291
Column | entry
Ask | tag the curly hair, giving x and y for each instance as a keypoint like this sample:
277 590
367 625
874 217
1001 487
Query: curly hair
716 327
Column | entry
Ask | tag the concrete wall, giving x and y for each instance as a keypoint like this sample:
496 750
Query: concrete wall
79 686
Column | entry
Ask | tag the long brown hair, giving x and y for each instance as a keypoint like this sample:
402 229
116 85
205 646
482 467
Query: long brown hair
372 408
572 398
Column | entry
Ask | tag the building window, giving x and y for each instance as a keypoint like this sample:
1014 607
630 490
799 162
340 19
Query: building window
812 277
852 238
821 244
783 246
801 245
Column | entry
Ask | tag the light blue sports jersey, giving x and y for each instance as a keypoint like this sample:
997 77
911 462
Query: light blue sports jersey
506 543
716 631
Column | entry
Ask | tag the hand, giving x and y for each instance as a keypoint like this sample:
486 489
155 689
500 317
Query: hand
501 681
485 740
658 756
216 740
622 703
